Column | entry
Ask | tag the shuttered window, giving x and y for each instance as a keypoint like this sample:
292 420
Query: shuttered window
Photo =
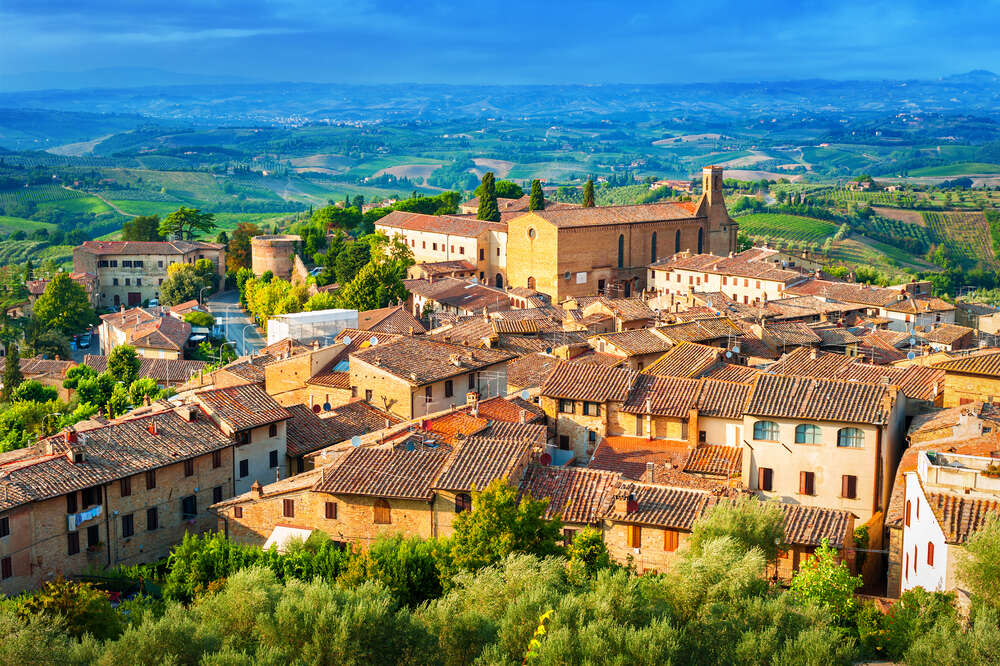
634 536
765 478
908 513
930 554
237 512
670 540
849 486
288 508
463 502
125 486
383 515
807 483
331 510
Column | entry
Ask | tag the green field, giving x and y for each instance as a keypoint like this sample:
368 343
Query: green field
959 169
18 252
791 227
9 224
966 234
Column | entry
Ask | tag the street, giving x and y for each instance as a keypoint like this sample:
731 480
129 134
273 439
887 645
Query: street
238 327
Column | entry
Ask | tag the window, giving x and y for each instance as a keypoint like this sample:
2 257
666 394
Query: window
423 245
216 459
71 503
621 251
701 240
592 409
591 437
566 406
114 282
461 249
216 494
159 264
670 540
73 543
189 467
807 434
850 438
765 478
125 486
916 557
677 241
429 393
452 248
128 281
6 568
272 459
138 264
807 483
765 430
244 468
243 437
907 513
88 497
463 502
634 536
331 510
724 281
126 264
114 263
152 519
568 536
189 507
652 247
272 430
702 436
288 508
849 486
906 570
472 381
564 442
128 527
482 254
150 479
383 513
237 512
930 554
435 246
368 395
4 527
449 388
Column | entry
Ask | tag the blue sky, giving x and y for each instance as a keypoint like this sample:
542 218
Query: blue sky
431 41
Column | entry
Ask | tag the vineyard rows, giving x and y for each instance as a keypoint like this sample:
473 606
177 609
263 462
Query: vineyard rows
899 229
38 194
792 227
967 234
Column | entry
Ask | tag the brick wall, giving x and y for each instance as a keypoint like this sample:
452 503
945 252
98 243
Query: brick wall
968 388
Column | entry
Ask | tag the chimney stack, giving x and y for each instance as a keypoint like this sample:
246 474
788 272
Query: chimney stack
257 489
650 472
522 416
153 430
625 502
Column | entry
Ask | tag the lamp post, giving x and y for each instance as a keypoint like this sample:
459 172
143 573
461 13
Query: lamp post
227 342
201 300
245 336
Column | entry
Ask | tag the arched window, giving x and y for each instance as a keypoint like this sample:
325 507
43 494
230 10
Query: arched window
765 430
383 514
677 241
701 240
930 554
463 502
499 281
621 251
807 434
851 438
652 248
531 283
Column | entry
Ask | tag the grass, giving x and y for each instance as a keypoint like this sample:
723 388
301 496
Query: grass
792 227
959 169
79 205
161 208
9 224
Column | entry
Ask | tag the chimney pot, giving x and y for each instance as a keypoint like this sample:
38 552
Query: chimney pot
257 489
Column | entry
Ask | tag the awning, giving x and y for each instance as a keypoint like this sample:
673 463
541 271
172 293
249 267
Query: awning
282 534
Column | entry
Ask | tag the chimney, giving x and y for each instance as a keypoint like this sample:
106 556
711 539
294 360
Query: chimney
69 436
650 472
625 502
153 430
187 412
257 489
455 360
75 454
523 416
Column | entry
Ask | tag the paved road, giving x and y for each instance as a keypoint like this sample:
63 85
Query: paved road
237 325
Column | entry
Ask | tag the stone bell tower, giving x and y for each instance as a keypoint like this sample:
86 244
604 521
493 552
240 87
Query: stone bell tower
721 228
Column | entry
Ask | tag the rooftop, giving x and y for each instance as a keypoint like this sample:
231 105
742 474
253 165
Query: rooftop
575 494
594 383
242 407
419 361
820 399
145 247
604 215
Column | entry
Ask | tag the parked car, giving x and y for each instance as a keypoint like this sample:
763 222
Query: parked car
83 341
154 302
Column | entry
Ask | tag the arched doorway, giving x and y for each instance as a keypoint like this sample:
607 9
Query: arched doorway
701 239
499 281
531 283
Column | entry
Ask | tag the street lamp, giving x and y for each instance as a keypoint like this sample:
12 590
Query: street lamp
245 336
201 300
227 342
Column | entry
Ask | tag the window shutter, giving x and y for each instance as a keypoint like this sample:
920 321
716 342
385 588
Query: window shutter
634 536
765 478
383 514
331 510
849 486
238 512
806 483
670 540
907 513
930 554
289 508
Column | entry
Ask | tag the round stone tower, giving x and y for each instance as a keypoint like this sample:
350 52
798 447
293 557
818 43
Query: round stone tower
274 253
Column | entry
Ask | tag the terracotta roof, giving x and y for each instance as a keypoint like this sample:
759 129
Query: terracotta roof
920 305
722 398
419 361
627 309
460 294
663 506
960 516
479 460
810 525
145 247
947 334
582 381
787 333
456 426
437 268
452 225
750 264
601 215
636 342
530 370
700 330
835 336
242 407
594 357
509 410
36 366
820 399
252 367
984 363
576 495
386 471
122 448
163 370
356 418
802 307
629 455
395 319
716 460
687 359
534 433
848 292
306 432
732 373
664 396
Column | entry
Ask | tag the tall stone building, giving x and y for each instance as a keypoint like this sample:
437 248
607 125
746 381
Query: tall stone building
583 251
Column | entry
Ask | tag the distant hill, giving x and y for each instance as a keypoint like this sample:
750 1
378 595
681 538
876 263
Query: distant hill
110 78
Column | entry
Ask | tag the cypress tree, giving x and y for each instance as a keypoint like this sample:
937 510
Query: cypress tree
488 209
537 200
12 376
588 194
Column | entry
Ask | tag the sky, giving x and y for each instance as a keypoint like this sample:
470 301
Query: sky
517 41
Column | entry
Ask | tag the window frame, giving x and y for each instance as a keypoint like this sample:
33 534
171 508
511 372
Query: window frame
769 426
804 432
128 526
288 508
382 511
850 435
152 519
563 402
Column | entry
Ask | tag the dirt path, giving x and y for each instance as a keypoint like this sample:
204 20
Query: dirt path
111 205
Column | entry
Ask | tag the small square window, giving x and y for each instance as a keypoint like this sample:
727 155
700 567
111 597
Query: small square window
237 512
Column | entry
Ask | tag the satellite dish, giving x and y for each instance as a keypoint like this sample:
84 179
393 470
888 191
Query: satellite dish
327 406
708 303
545 459
525 395
347 339
373 341
729 354
736 349
356 441
910 356
913 341
316 409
